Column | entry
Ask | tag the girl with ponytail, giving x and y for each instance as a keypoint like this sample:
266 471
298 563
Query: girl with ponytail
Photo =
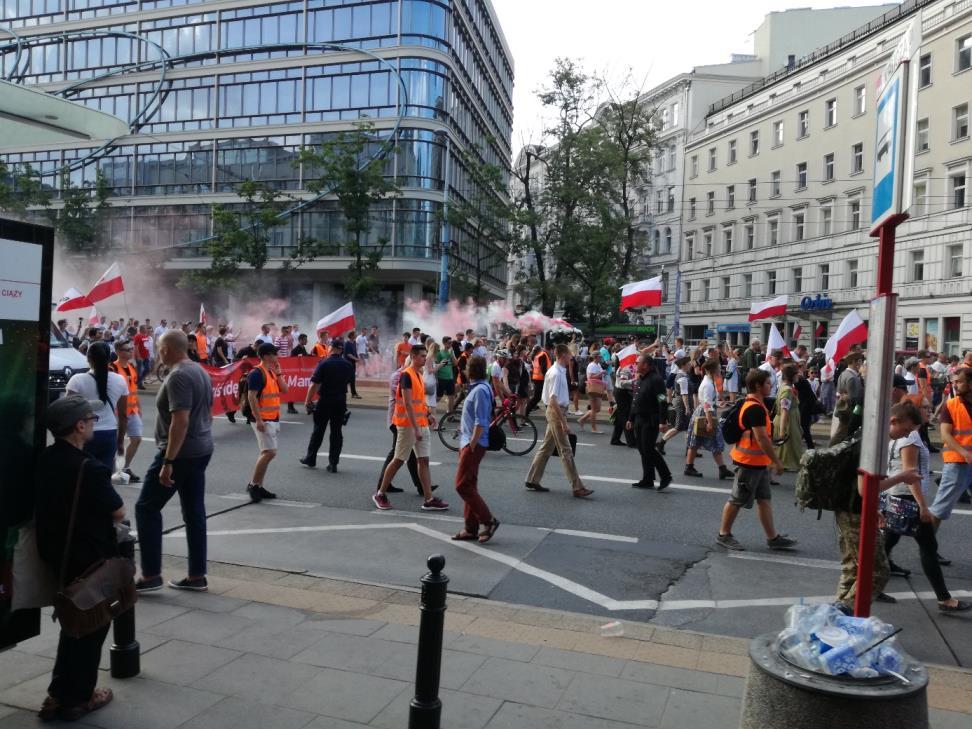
107 392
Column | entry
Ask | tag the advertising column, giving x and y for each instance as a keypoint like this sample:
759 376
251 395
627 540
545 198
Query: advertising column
25 305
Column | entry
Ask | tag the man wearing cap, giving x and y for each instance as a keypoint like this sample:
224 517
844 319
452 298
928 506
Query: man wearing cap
498 374
331 379
72 692
848 413
265 385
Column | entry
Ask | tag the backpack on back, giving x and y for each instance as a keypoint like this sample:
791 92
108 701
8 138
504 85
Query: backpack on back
732 431
243 393
827 479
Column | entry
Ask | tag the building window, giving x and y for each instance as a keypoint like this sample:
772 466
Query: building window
749 234
656 248
799 225
660 201
753 144
797 279
801 176
712 159
826 220
963 50
924 71
957 186
828 167
725 288
824 277
852 274
955 261
668 241
776 184
854 208
672 157
857 158
919 198
747 287
705 289
960 122
689 246
727 239
730 197
694 165
691 208
860 100
671 199
803 124
830 113
732 152
774 231
921 135
707 244
664 283
771 282
918 265
688 292
752 190
675 114
777 133
709 203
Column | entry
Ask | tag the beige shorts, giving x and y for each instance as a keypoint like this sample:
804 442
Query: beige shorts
405 442
267 440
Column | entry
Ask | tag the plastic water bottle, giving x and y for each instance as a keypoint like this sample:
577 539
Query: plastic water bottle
614 629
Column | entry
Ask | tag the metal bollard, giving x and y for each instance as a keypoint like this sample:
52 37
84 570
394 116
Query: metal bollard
125 655
425 710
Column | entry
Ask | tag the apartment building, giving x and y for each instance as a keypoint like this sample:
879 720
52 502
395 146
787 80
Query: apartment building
781 176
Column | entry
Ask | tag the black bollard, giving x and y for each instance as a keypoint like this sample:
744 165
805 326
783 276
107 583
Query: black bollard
425 710
124 655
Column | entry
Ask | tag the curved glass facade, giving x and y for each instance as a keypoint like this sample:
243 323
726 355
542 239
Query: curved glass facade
226 119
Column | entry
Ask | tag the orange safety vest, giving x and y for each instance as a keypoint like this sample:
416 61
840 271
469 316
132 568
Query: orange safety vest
961 429
202 347
269 399
319 350
538 372
131 377
419 406
747 451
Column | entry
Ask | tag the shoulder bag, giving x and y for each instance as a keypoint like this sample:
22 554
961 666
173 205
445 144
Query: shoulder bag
104 591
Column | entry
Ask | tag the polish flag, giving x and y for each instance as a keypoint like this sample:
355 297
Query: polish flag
768 309
108 285
641 294
798 330
628 355
820 330
202 313
852 330
339 322
72 299
93 317
776 342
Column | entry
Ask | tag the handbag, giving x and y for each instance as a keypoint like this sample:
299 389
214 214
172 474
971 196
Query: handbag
34 582
497 438
103 592
595 387
901 516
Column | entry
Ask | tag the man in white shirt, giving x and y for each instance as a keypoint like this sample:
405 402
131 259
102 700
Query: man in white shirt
556 397
264 336
416 339
161 329
772 365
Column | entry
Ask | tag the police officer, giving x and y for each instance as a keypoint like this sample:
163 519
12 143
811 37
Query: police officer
331 379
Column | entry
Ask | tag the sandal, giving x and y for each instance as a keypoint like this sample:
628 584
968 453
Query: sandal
464 536
489 531
100 698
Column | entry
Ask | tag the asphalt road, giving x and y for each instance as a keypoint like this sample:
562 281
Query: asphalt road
625 553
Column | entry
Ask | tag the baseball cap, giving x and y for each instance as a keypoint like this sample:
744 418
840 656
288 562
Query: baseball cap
62 414
503 353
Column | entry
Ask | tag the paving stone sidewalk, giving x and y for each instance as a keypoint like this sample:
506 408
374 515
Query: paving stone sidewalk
274 649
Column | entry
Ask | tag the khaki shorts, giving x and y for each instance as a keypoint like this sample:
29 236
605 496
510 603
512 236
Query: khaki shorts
133 429
749 485
405 442
267 440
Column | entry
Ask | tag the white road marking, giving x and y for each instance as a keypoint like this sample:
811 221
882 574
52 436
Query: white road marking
780 559
290 530
412 515
527 440
674 605
272 502
678 486
594 535
372 458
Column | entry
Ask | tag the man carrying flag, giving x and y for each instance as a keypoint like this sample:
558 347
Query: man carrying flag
624 385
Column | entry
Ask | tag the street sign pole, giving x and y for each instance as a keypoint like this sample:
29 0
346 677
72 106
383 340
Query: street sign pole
892 168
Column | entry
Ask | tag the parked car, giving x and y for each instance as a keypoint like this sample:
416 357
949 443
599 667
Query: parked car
63 362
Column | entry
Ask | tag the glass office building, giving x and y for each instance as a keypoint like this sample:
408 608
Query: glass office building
232 90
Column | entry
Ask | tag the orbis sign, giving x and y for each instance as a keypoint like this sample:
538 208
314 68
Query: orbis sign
820 303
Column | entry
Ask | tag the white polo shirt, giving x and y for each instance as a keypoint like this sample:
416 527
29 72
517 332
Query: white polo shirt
555 383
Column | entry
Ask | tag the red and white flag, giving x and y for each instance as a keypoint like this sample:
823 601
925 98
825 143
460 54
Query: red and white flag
852 330
108 285
797 331
820 330
628 355
93 317
776 342
72 299
641 294
339 322
767 309
202 313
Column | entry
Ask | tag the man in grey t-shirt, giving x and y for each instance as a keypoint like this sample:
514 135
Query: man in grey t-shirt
184 437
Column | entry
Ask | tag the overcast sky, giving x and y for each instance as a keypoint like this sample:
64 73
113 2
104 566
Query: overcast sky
656 38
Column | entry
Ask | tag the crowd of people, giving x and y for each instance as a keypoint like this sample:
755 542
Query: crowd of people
761 406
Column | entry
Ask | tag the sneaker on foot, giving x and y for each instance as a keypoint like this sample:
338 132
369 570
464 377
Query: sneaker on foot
780 541
231 417
536 487
725 472
729 542
151 585
253 491
197 585
642 485
331 468
692 471
885 597
132 478
898 570
264 494
381 501
435 504
664 483
307 462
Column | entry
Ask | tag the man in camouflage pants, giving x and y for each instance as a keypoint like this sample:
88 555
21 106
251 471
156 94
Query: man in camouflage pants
849 538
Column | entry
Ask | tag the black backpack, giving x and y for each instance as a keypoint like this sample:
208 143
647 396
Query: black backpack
732 431
244 392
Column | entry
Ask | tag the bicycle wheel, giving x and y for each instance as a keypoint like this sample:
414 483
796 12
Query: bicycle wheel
448 430
521 435
161 372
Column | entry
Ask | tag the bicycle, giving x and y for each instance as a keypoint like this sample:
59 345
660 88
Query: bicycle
520 440
161 371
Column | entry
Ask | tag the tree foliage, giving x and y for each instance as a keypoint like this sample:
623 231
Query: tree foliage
80 220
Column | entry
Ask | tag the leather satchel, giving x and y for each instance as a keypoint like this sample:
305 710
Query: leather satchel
103 592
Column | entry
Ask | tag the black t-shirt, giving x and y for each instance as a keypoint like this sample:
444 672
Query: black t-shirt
333 374
754 417
220 352
94 528
299 351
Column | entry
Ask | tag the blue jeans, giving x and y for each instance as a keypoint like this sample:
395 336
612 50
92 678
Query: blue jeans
189 475
956 478
103 447
144 367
